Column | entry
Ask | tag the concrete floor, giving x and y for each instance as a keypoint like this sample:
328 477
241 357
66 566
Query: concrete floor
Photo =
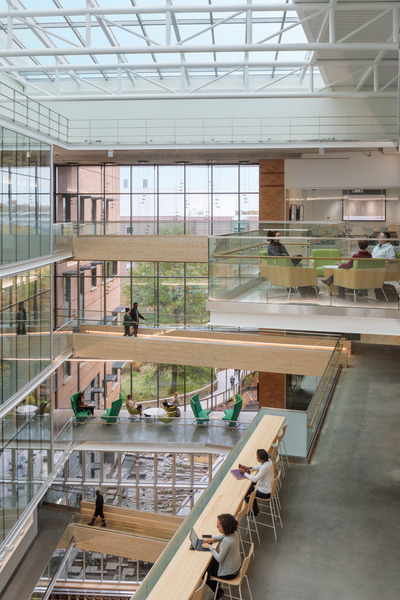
341 536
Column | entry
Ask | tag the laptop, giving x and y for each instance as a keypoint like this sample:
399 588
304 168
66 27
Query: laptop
196 543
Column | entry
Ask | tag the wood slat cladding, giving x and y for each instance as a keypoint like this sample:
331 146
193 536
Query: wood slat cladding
272 190
202 353
141 248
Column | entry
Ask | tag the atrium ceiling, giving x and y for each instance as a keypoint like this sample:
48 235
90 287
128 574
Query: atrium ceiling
142 49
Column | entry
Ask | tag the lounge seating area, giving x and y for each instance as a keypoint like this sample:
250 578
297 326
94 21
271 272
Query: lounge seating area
363 284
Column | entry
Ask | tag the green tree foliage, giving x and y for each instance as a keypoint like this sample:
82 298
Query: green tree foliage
168 306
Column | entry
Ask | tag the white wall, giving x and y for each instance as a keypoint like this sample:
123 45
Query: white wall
224 108
351 170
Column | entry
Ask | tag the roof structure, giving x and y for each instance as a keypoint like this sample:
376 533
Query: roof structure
108 49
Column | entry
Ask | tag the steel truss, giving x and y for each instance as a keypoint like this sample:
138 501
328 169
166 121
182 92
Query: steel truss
163 49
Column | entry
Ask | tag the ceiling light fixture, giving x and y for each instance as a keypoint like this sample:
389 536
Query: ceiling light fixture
110 153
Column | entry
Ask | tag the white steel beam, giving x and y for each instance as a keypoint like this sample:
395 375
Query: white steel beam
176 49
201 8
276 64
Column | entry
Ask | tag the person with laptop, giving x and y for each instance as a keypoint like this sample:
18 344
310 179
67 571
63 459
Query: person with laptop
264 476
226 562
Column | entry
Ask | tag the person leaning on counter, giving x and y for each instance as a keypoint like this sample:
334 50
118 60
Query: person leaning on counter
226 563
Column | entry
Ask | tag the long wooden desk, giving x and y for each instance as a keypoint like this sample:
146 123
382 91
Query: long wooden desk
182 576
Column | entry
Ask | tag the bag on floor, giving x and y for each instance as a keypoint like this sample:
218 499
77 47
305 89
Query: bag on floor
387 293
308 291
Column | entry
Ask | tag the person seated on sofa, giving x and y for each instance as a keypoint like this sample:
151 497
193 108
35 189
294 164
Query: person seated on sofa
276 248
383 248
131 405
81 404
362 253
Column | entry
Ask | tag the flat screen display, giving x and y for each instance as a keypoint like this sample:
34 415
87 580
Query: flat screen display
364 205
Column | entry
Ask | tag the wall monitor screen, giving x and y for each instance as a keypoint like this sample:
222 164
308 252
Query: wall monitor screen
364 205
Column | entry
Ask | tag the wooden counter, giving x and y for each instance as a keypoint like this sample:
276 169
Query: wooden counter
185 570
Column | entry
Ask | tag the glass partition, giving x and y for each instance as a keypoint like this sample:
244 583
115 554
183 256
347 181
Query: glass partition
289 267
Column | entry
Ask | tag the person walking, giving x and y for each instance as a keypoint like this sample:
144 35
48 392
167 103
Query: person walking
21 319
128 322
135 314
99 509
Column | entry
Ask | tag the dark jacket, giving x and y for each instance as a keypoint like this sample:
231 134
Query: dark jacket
99 501
359 254
275 248
135 314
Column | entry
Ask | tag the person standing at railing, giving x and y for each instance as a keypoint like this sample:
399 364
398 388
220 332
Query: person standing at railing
135 315
99 509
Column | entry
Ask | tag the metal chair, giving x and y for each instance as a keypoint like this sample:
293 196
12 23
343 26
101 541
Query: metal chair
251 524
238 579
282 446
273 508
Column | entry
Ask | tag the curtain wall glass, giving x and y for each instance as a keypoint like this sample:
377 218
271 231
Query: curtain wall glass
25 194
25 318
143 199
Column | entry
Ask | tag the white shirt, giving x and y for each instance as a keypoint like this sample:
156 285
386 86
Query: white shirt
264 476
383 251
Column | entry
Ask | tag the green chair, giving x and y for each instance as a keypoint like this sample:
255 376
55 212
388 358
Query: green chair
201 415
111 414
231 415
132 411
169 415
324 257
81 415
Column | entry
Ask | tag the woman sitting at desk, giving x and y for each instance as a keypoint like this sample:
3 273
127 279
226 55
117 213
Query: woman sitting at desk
264 477
226 563
83 406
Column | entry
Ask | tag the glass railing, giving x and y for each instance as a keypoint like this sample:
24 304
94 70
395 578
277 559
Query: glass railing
320 400
62 339
114 319
242 269
63 234
324 231
196 226
232 130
